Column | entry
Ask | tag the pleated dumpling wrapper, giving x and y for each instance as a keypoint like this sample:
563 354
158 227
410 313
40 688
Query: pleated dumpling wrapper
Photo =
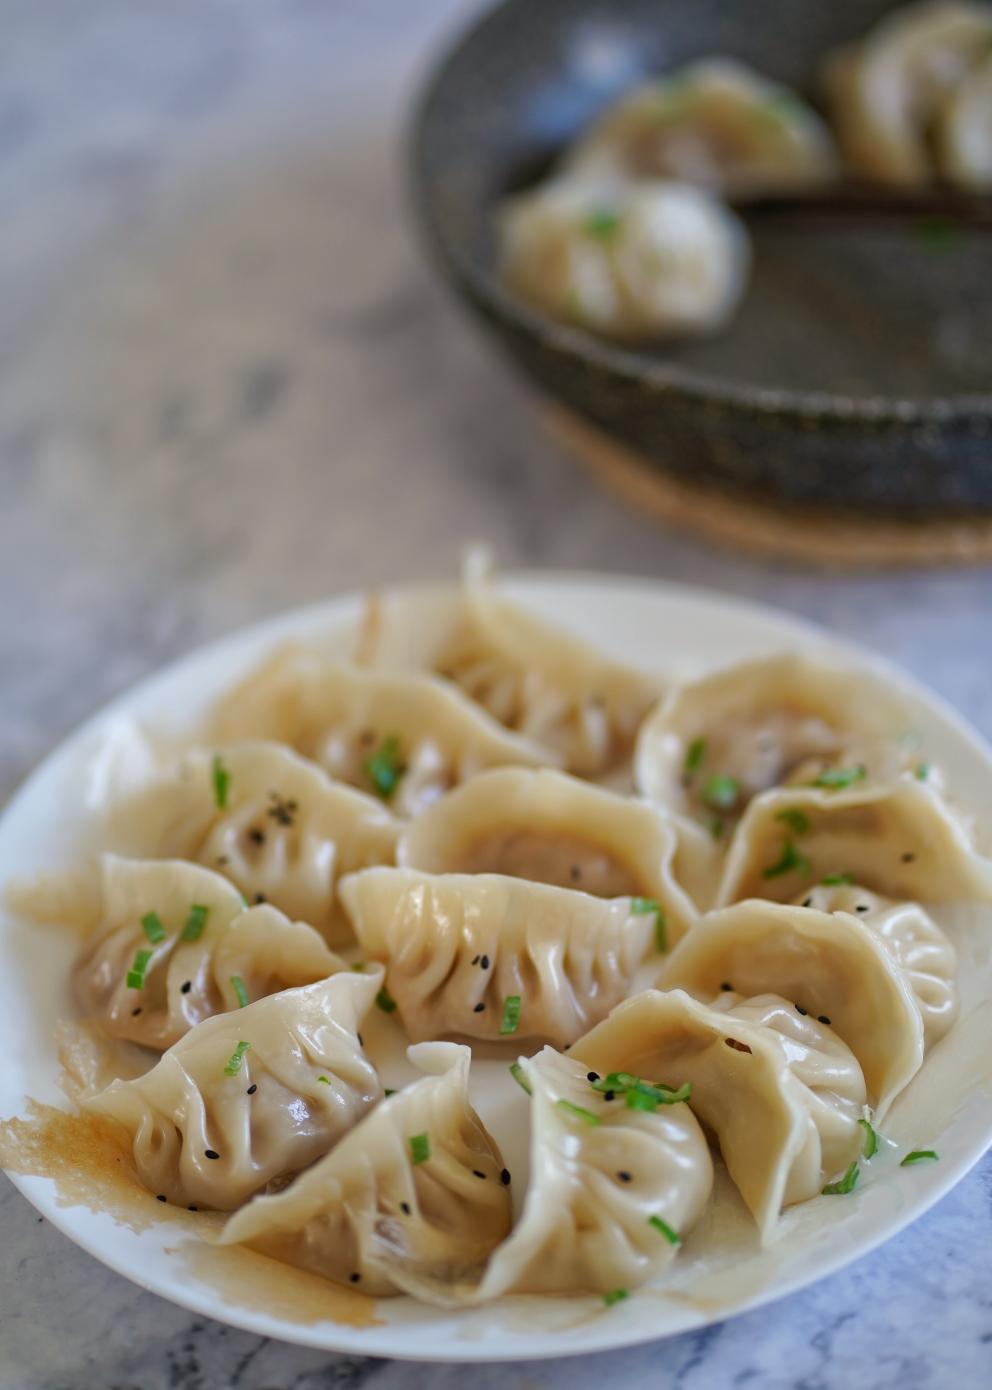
251 1097
833 966
551 828
716 123
782 1094
267 819
717 742
497 958
168 944
403 738
614 1187
887 92
417 1187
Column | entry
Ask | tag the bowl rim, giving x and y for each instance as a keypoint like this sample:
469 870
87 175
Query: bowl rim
665 378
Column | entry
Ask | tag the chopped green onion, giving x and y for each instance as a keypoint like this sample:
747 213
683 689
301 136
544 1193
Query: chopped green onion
790 860
152 926
637 1099
385 1001
869 1147
387 1092
241 994
694 756
511 1014
835 880
234 1064
920 1156
644 905
385 767
921 771
836 778
795 819
579 1111
721 792
660 1224
615 1296
195 922
136 975
358 965
517 1072
845 1184
624 1084
222 781
420 1148
324 1080
602 223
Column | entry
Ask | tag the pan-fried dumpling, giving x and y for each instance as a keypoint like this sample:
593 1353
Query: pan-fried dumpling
487 956
913 940
613 1190
418 1187
629 261
717 742
551 828
830 966
716 123
964 134
784 1105
901 840
406 738
165 941
887 92
251 1097
267 819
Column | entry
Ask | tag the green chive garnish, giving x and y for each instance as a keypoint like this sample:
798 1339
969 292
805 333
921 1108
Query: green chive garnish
579 1111
385 1001
385 767
511 1014
615 1296
869 1147
324 1080
234 1064
222 781
845 1184
660 1224
836 778
835 880
517 1072
195 922
921 771
790 860
238 985
622 1083
151 924
795 819
721 792
920 1156
694 757
638 906
387 1092
420 1148
136 975
602 223
358 965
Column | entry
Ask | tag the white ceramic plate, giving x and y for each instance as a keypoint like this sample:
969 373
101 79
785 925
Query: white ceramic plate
721 1269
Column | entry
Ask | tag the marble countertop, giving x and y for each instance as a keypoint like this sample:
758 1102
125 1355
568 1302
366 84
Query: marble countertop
228 385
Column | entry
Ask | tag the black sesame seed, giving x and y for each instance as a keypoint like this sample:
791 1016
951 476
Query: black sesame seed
908 857
484 963
252 1089
863 907
256 836
211 1153
361 1040
477 1174
136 1012
822 1018
576 873
566 1047
726 985
476 959
193 1208
623 1175
160 1198
186 986
592 1075
801 1010
504 1177
609 1095
479 1008
354 1278
807 902
405 1208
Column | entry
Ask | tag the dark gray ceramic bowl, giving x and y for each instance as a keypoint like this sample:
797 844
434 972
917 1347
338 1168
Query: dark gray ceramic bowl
857 373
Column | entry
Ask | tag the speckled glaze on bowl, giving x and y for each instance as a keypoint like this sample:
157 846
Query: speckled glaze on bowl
857 374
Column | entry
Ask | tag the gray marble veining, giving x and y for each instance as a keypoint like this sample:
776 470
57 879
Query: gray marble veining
228 385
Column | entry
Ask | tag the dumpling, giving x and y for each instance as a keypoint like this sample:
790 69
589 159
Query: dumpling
715 123
406 738
252 1097
784 1105
886 93
417 1189
913 940
267 819
486 956
964 132
718 741
551 828
168 944
830 966
902 840
628 261
613 1189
